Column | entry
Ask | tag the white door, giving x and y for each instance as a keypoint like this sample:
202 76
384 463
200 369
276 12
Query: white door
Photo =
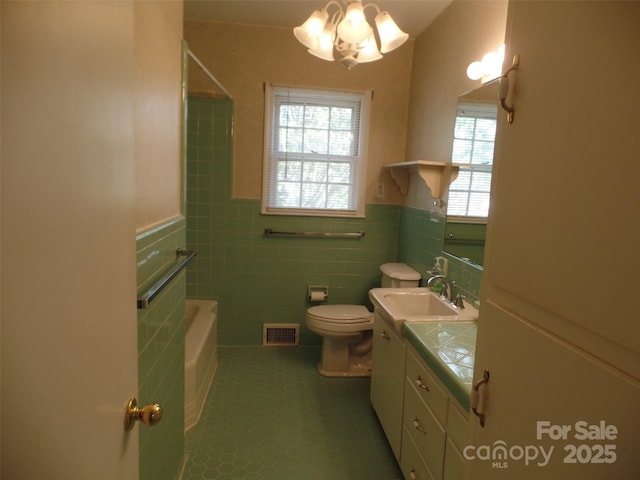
69 354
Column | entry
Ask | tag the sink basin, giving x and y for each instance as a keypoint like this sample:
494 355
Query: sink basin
412 304
399 305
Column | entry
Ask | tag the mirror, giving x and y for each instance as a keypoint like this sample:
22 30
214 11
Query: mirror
473 146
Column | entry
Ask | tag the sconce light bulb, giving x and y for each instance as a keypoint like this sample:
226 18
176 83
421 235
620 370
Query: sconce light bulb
491 65
475 71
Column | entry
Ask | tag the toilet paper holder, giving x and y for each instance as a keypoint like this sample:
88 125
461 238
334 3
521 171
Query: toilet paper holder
317 293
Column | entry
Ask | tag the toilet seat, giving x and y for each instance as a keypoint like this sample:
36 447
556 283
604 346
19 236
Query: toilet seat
340 314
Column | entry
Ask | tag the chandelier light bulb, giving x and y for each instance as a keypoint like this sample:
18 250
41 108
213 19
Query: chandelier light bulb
309 32
324 49
353 28
368 50
391 37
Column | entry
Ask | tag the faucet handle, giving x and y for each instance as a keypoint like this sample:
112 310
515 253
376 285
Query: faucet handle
459 303
446 290
453 291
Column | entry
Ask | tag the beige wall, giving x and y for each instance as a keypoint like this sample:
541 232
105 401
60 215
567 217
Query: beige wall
157 109
463 33
243 58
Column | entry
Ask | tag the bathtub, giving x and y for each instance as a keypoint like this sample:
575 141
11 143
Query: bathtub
200 356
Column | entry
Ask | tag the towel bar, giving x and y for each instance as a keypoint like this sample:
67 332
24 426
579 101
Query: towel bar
270 232
145 300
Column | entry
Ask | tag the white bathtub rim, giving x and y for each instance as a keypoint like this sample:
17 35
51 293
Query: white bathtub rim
202 330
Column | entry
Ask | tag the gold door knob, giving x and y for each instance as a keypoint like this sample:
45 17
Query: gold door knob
150 414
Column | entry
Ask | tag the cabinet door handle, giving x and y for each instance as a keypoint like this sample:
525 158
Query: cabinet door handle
475 397
385 335
421 385
412 474
420 428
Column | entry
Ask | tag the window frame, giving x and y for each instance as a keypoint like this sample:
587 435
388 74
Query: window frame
274 95
476 110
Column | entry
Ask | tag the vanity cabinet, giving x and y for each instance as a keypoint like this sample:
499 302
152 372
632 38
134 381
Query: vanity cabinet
387 380
434 426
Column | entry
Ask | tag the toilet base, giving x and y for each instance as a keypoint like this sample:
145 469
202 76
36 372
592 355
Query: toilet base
338 358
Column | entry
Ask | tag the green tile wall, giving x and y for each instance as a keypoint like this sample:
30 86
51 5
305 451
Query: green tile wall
421 234
259 280
161 351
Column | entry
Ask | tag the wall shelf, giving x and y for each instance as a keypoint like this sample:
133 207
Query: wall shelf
436 175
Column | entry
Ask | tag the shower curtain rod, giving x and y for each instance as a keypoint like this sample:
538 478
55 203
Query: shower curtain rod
209 74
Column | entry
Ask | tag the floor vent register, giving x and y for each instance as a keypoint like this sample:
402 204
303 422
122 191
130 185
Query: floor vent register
280 334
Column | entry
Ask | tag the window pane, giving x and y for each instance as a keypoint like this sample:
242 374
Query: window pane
486 129
316 117
461 151
339 172
288 194
290 140
338 197
341 118
464 127
291 115
457 203
315 172
478 204
482 153
463 182
481 182
289 170
340 143
316 141
314 195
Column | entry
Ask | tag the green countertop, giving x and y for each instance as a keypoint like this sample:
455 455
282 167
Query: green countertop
448 348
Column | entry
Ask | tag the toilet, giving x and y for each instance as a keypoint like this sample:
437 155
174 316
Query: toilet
347 330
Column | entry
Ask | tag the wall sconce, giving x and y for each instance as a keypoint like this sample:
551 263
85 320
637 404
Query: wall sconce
504 88
488 68
349 33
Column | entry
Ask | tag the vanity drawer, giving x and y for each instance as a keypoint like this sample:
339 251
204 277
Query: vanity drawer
425 430
411 462
458 426
427 387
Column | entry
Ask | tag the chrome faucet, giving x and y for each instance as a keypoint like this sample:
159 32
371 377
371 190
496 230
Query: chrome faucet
433 278
449 290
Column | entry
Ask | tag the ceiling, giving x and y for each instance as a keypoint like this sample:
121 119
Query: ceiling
412 16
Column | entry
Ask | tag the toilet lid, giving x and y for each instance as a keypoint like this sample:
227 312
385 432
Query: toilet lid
341 313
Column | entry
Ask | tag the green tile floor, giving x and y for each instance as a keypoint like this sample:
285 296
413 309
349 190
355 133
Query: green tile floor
271 416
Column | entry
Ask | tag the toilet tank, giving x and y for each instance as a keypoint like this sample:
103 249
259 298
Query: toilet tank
399 275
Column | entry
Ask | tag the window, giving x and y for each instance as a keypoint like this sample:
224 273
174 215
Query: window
473 145
314 153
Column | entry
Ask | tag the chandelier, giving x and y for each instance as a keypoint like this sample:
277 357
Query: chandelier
346 34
